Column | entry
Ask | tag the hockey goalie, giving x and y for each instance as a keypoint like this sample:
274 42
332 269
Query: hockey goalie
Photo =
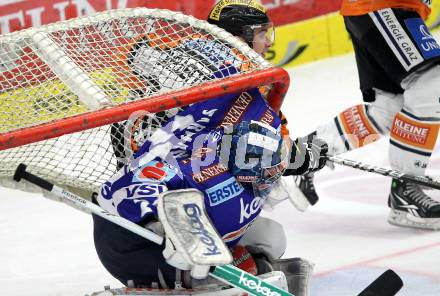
232 151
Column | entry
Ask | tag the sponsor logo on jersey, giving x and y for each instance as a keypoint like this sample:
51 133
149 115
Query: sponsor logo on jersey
213 51
414 135
209 172
410 132
154 171
358 127
194 212
237 110
224 191
356 122
397 38
135 191
250 209
426 43
234 235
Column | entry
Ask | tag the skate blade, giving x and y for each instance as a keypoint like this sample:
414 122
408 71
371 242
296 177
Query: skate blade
405 219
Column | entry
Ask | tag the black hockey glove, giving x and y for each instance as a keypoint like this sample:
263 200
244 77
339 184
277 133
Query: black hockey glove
307 155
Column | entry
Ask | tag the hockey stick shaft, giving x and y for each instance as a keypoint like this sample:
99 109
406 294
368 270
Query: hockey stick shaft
226 273
84 205
421 180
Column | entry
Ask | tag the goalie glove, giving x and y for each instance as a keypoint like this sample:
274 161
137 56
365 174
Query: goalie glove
308 154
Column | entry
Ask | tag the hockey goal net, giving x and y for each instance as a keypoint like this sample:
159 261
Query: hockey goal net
67 89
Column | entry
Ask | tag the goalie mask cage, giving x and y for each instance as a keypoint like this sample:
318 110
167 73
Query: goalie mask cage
67 89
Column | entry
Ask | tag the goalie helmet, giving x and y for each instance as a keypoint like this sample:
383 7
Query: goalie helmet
257 153
242 19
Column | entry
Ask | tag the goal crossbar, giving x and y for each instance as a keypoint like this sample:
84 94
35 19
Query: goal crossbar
277 77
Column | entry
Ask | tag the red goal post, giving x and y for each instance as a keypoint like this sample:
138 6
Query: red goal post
277 77
63 85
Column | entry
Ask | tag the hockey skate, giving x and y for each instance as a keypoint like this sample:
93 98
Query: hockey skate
411 207
304 193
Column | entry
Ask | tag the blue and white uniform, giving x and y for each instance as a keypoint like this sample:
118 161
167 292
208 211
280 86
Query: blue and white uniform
170 160
132 193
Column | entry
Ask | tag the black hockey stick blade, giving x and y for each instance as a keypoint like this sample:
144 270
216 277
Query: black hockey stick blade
387 284
21 173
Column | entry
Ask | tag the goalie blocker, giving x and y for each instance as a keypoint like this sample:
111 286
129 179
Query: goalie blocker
192 243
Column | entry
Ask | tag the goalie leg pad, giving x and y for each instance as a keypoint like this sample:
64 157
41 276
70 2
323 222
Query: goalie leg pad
298 271
242 259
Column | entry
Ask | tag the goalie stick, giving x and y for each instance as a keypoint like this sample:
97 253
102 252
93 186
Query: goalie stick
387 284
228 274
421 180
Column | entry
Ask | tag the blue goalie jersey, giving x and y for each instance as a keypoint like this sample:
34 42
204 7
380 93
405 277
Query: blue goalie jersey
174 157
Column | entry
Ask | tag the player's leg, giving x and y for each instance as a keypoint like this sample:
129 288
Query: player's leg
266 234
412 140
379 78
385 57
353 128
126 255
129 257
402 43
267 242
362 124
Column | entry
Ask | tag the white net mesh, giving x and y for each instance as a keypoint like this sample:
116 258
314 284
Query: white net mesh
113 58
